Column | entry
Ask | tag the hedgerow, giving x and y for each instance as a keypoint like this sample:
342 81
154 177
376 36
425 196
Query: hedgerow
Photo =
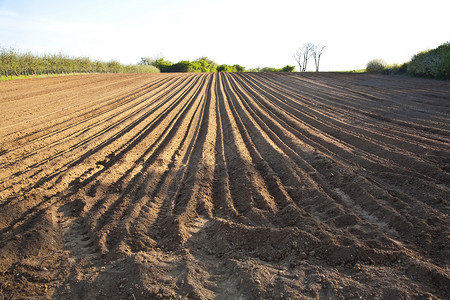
433 63
287 68
16 63
204 64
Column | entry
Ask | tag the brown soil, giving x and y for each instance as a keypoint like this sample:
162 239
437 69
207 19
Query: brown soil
225 186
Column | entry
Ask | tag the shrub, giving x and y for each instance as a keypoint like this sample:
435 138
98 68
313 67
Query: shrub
396 69
269 69
287 68
182 66
239 68
226 68
162 65
140 69
433 63
203 64
376 66
403 68
113 66
255 70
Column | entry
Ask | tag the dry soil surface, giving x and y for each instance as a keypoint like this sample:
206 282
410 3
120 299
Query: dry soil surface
225 186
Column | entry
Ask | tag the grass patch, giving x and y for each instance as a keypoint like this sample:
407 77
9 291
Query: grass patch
9 78
353 71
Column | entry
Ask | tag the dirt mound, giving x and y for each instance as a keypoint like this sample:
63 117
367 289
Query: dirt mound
225 186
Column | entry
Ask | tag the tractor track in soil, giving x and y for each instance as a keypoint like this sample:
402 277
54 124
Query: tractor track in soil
225 186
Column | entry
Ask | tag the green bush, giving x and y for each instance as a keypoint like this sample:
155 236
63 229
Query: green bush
141 69
239 68
287 68
396 69
226 68
376 66
402 69
254 70
433 63
162 65
269 69
182 66
203 64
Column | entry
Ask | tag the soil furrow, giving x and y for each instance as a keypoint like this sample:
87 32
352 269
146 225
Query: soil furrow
225 186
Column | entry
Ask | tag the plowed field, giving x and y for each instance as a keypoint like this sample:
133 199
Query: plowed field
225 186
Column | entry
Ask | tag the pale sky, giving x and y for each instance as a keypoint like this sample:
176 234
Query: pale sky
252 33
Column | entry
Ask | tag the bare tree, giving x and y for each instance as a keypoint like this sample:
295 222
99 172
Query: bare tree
316 53
146 61
150 61
302 55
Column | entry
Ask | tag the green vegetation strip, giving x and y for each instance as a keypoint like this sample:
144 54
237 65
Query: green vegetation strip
434 63
15 64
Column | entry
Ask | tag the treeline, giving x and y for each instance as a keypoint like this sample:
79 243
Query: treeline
204 64
434 63
16 63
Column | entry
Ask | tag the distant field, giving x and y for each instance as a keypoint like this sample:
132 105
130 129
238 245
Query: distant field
225 186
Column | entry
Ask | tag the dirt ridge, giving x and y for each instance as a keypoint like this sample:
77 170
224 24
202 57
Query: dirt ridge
225 186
